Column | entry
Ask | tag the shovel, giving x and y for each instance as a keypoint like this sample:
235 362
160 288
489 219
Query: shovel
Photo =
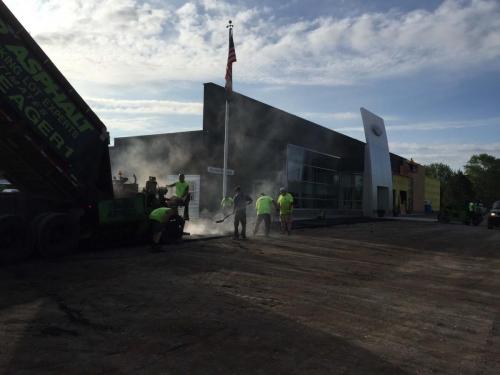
224 218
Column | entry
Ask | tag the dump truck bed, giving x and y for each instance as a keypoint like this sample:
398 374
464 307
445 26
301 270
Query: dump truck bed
51 142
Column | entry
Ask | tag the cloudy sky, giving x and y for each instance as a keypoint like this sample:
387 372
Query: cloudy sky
430 68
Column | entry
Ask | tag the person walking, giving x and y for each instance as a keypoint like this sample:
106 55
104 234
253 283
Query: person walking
182 194
285 204
263 205
241 201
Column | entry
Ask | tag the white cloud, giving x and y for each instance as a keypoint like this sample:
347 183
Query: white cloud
145 124
329 116
430 126
453 154
103 105
129 42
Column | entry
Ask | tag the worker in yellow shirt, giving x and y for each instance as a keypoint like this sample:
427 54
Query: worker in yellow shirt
166 226
227 204
182 194
263 205
285 204
159 219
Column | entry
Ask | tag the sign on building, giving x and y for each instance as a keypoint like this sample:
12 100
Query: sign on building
215 170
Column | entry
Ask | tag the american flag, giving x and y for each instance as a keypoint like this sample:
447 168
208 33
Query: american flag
231 58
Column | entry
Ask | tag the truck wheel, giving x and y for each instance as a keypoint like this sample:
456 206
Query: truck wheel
34 224
14 244
57 235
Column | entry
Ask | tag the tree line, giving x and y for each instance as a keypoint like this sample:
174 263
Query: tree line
478 182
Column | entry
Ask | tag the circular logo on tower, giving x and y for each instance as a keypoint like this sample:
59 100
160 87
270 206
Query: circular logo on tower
377 130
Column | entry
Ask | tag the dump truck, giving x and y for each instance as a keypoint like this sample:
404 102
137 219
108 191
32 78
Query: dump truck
54 151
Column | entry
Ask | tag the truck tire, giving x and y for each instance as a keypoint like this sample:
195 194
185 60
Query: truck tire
34 224
57 235
14 239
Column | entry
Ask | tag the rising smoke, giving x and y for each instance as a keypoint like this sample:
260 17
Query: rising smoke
257 153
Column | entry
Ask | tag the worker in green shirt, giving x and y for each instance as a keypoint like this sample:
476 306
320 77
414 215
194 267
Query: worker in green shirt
165 222
158 219
226 205
182 194
285 204
264 206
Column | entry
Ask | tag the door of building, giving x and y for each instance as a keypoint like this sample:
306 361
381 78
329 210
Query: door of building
382 199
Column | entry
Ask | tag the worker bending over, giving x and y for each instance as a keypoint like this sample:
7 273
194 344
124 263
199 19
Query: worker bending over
240 212
285 204
264 206
182 194
165 221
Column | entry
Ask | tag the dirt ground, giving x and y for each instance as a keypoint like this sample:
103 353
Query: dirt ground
374 298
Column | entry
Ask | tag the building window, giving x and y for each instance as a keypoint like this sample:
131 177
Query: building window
313 178
351 191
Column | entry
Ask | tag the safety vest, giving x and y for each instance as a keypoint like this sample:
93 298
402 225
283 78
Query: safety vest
160 214
285 202
264 205
227 202
181 188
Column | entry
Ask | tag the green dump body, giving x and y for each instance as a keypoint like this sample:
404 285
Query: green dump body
51 142
53 147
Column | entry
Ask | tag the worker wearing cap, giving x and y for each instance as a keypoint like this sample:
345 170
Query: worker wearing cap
263 205
285 204
158 219
241 201
182 194
226 205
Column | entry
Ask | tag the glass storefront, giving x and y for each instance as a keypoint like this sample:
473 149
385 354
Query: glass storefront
315 181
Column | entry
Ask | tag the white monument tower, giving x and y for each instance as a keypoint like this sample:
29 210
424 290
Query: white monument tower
377 178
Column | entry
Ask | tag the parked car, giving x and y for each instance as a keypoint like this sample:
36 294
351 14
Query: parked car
494 215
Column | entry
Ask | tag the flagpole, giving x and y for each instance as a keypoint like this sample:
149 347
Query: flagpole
229 84
226 146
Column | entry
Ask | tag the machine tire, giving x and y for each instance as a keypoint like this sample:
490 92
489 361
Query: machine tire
174 229
14 243
57 235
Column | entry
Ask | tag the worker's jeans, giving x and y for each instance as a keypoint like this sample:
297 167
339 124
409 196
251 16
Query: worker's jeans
267 223
185 202
240 217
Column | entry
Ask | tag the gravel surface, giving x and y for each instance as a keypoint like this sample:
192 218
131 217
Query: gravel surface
388 297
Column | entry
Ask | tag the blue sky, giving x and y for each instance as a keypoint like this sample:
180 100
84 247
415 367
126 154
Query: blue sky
431 69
